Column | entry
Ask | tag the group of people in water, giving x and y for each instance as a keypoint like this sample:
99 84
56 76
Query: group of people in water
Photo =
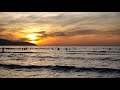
3 49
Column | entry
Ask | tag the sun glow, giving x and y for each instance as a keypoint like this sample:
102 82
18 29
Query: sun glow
35 42
32 38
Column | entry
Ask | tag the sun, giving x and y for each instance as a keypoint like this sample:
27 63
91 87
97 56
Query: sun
32 38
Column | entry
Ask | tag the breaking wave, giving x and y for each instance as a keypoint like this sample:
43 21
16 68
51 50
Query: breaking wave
62 68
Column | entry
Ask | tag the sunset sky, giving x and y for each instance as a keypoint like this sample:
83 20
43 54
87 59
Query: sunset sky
61 28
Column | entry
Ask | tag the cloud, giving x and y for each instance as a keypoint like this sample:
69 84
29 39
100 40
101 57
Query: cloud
63 24
22 39
60 18
113 32
76 17
9 36
68 33
74 32
41 32
2 29
58 34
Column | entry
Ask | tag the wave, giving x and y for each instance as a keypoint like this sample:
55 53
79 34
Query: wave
19 52
97 58
97 51
62 68
44 57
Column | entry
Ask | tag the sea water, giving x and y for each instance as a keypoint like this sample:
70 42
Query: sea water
60 62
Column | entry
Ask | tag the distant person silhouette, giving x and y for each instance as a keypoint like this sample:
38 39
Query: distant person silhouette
66 49
2 50
58 48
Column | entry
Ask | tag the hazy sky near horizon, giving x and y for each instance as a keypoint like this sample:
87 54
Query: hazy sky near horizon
61 28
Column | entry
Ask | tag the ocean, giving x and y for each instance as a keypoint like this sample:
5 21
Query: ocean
60 62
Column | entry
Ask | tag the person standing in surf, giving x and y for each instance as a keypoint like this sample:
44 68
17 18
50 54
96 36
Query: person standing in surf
2 50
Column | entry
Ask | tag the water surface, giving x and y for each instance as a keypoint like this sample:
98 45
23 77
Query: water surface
60 62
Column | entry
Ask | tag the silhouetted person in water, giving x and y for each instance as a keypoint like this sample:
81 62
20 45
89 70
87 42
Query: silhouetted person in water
2 50
66 49
58 48
25 48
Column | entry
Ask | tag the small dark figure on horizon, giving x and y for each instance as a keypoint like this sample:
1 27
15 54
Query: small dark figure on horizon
66 49
2 50
58 48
